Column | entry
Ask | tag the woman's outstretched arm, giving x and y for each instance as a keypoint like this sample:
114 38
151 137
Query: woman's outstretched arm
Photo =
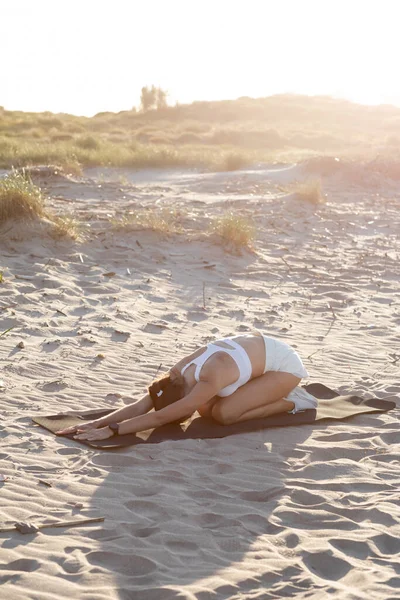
140 407
200 394
131 411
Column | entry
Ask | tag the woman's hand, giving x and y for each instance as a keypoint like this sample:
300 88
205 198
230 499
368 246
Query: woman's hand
95 434
80 427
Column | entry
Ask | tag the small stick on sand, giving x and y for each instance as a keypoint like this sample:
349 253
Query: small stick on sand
204 295
8 306
75 523
310 355
286 263
6 331
333 312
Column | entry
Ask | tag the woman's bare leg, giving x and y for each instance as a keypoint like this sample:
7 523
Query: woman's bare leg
261 397
205 410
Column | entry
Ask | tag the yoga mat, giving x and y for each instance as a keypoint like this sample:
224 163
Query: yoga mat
331 406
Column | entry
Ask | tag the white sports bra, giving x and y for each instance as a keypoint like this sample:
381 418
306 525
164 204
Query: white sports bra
239 355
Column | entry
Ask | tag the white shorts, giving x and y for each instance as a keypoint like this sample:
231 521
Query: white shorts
279 356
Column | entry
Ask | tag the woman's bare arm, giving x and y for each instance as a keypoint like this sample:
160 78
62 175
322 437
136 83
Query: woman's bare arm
201 393
133 410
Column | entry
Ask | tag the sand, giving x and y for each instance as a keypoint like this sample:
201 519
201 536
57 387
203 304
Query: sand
305 512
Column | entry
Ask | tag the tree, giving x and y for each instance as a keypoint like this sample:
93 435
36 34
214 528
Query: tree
153 98
161 98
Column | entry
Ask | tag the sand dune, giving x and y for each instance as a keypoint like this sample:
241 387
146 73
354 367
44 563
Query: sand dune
308 511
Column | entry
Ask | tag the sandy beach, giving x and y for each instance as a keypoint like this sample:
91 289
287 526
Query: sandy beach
305 512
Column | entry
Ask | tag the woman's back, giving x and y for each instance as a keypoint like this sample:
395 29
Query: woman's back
242 357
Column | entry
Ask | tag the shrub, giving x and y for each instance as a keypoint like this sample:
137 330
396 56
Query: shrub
88 143
234 161
234 230
61 137
66 226
163 220
20 198
309 191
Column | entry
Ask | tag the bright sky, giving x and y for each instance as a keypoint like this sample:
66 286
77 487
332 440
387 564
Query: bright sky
87 56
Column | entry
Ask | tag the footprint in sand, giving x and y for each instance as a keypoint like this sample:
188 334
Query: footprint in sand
159 593
351 547
128 564
326 565
211 521
305 498
387 544
181 546
143 532
25 565
262 495
69 451
147 509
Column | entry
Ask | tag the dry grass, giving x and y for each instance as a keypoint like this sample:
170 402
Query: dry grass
234 161
309 191
234 230
219 135
163 220
20 198
65 226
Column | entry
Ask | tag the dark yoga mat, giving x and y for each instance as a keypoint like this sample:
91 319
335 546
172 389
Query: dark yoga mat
330 406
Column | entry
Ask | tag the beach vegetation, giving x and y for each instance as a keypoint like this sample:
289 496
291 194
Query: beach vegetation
88 142
162 220
66 226
20 198
234 161
223 135
309 191
234 230
153 98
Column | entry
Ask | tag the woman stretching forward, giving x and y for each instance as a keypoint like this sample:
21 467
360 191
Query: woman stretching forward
230 380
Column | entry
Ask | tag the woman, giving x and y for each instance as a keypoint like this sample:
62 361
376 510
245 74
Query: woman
234 379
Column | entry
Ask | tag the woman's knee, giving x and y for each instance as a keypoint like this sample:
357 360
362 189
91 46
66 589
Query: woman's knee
222 415
205 411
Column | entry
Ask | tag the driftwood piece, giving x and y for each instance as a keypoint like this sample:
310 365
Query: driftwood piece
31 528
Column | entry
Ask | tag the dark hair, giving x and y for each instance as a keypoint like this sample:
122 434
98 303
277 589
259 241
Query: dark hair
172 390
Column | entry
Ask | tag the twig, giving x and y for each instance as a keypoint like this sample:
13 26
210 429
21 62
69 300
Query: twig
44 482
333 312
8 306
330 327
75 523
6 331
310 355
204 295
286 263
